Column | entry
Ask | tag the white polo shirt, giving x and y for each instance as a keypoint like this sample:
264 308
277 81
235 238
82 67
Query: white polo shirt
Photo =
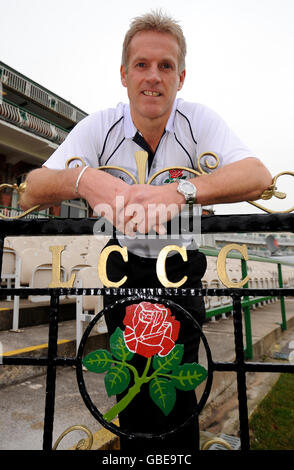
109 137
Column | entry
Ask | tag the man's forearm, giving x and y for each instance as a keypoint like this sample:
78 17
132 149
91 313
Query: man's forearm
241 181
48 187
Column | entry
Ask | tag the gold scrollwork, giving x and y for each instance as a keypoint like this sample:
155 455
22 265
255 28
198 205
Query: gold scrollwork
105 167
113 167
207 164
20 189
200 171
138 156
72 159
141 158
83 444
270 192
217 440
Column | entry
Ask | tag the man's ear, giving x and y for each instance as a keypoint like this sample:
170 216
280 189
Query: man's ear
123 75
182 79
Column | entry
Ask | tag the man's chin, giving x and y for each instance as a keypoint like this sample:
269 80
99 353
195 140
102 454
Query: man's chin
152 112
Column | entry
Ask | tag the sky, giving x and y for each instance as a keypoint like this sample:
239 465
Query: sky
239 63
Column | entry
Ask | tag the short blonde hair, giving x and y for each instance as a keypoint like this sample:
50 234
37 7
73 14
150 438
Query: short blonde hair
155 21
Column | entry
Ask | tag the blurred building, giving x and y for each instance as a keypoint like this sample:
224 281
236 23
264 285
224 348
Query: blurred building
33 123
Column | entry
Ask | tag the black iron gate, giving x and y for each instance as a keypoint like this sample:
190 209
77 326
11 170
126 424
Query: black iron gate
210 224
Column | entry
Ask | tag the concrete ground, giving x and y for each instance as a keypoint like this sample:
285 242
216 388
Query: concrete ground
22 390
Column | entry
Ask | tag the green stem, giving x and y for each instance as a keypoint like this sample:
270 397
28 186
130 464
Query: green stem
121 405
157 372
133 391
146 370
132 368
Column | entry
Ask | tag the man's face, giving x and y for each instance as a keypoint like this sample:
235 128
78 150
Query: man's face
152 76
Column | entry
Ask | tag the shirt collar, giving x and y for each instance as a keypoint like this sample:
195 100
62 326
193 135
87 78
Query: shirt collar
170 123
130 129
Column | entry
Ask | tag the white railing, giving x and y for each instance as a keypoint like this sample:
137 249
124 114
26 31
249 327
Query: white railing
32 123
11 212
39 95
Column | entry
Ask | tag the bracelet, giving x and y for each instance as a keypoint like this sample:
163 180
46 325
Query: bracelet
79 177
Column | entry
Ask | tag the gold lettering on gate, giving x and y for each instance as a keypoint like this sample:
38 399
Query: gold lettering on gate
56 271
160 265
221 265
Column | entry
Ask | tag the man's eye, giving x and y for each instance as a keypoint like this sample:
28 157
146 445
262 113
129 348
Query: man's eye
165 66
141 64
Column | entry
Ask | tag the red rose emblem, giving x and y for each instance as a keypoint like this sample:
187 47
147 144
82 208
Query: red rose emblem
150 329
175 173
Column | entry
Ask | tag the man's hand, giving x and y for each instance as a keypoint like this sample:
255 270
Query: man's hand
148 207
139 208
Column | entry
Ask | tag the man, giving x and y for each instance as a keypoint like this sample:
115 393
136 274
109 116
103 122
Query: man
174 133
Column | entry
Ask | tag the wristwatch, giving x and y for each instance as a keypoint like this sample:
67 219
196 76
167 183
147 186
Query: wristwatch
188 190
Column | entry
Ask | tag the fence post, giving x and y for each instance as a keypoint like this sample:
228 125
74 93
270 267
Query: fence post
282 299
51 372
1 252
241 374
247 316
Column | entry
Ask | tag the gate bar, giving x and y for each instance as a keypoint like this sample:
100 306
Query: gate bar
227 223
51 372
1 251
282 300
247 315
241 373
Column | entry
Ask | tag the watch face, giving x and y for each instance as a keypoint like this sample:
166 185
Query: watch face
186 186
188 190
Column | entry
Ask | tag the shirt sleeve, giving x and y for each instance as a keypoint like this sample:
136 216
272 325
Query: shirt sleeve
81 142
214 135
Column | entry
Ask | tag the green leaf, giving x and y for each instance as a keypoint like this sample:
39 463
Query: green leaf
188 376
117 379
118 346
163 394
98 361
168 180
167 363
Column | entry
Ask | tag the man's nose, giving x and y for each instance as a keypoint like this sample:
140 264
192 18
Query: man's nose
153 75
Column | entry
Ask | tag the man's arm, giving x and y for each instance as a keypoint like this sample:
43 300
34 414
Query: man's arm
244 180
240 181
48 187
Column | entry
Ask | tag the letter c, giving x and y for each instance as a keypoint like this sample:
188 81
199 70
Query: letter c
160 265
103 261
221 265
